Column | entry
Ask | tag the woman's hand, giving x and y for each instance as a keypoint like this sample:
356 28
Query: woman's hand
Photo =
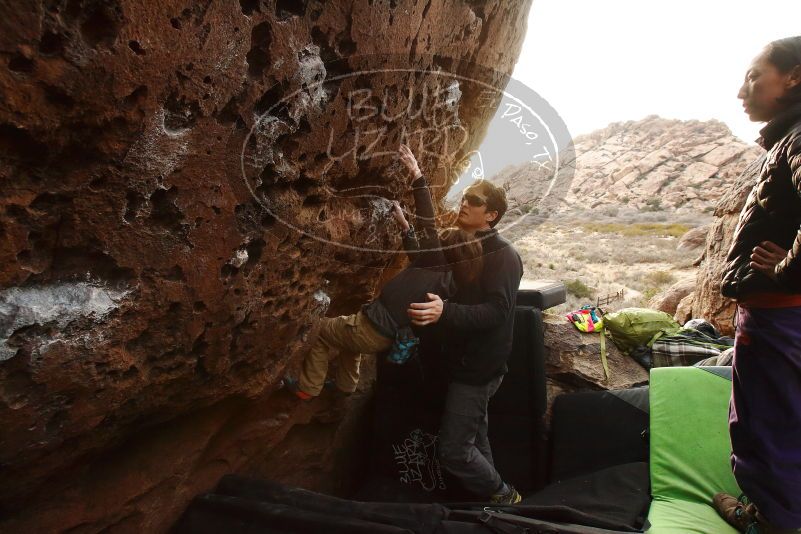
766 256
397 213
409 161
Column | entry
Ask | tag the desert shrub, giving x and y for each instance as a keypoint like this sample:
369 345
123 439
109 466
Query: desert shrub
579 289
610 211
653 204
660 278
649 293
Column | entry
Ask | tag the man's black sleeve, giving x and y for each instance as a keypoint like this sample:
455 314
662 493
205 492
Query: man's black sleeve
500 280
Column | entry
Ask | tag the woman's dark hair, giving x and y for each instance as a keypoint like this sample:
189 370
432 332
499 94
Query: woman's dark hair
786 55
463 253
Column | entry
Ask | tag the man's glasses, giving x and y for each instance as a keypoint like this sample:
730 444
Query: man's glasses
474 200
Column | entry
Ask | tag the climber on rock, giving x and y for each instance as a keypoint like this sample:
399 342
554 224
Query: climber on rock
440 262
477 325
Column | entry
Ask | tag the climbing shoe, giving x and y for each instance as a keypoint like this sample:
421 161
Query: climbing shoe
291 385
510 496
739 513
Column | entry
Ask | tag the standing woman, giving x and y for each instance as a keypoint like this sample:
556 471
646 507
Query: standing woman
763 273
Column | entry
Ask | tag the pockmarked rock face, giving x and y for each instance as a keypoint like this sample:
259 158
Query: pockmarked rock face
168 169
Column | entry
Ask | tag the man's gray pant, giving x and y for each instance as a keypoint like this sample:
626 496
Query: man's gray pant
464 446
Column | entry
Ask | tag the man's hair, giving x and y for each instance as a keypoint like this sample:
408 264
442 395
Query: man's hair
463 253
496 199
786 55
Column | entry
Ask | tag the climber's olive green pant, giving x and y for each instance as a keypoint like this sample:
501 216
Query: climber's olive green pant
344 338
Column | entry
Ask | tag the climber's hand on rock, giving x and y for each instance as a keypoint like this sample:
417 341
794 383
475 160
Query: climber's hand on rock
423 313
766 256
397 213
409 161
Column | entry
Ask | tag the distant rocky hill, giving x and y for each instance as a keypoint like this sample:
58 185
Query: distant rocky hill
651 164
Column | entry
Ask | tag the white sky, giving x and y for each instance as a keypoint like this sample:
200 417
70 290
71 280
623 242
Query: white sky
598 62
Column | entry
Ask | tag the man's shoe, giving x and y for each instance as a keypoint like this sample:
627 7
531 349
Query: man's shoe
511 496
739 513
291 385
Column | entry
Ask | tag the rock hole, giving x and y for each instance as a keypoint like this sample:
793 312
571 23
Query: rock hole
179 114
228 271
24 257
255 249
102 24
304 126
77 261
163 211
98 184
176 23
198 306
199 346
271 101
137 48
207 80
20 63
73 10
267 220
56 95
175 274
286 9
258 57
249 6
346 46
131 372
55 422
230 112
137 95
51 43
133 201
50 202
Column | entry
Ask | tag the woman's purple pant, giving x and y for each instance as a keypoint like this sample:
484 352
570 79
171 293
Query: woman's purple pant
765 412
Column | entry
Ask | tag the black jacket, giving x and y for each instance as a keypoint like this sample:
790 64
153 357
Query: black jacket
428 271
478 322
772 212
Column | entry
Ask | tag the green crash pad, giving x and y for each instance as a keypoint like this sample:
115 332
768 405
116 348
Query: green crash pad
689 449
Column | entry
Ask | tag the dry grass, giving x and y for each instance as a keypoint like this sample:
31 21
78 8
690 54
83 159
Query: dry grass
639 229
601 258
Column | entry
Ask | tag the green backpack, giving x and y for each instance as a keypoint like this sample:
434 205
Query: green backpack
630 328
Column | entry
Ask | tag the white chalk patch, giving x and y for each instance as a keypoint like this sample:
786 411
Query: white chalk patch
239 259
59 303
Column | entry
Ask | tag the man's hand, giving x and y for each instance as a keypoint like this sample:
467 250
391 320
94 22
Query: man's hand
397 212
409 161
423 313
766 256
